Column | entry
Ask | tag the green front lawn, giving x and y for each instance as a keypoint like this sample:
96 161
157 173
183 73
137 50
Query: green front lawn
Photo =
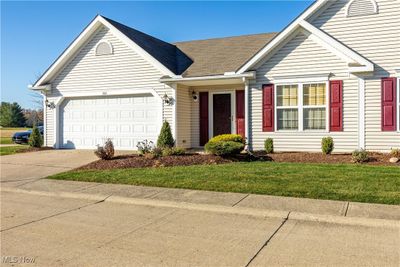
5 140
9 150
359 183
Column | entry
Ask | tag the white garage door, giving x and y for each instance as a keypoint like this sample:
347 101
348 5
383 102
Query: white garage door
86 122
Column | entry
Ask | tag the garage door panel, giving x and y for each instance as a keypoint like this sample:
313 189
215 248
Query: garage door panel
126 120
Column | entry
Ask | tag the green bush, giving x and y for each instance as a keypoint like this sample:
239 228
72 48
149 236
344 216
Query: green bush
327 145
173 151
165 139
35 139
360 156
227 137
269 145
395 152
224 148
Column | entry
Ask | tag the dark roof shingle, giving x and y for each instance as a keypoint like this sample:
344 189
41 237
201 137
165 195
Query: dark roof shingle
199 57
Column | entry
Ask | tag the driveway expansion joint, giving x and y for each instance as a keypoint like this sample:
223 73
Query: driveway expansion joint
56 214
347 208
240 200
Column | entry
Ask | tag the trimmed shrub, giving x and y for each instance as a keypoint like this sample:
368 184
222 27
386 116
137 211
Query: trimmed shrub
395 152
105 152
165 139
360 156
269 145
35 139
224 148
327 145
227 137
173 151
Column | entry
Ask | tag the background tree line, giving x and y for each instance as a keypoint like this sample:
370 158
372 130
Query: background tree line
13 115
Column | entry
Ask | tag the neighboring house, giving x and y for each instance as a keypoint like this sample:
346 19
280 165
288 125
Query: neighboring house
334 71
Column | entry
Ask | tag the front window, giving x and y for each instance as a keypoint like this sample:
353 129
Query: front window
314 109
301 106
287 107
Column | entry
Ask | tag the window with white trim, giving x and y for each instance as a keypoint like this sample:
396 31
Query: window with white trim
301 106
287 107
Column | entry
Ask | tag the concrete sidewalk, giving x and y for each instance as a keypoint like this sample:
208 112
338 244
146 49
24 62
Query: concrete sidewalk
272 206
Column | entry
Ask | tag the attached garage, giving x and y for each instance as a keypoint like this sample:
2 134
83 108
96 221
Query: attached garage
89 121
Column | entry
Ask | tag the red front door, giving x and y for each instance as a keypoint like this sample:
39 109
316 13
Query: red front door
222 114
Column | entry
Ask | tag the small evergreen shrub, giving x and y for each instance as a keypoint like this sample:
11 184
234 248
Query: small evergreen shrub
173 151
269 145
224 148
105 152
395 152
227 137
35 139
145 146
165 139
327 145
360 156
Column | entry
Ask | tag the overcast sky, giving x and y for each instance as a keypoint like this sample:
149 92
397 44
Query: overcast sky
33 34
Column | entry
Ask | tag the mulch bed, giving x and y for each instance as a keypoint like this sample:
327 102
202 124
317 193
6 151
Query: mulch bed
137 161
301 157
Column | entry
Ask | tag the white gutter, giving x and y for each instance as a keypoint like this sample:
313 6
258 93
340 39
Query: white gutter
46 87
249 75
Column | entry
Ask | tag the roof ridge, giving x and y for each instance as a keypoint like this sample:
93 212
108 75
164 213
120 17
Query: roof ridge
227 37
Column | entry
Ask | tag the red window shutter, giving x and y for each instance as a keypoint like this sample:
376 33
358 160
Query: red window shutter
268 107
203 97
240 123
388 111
336 106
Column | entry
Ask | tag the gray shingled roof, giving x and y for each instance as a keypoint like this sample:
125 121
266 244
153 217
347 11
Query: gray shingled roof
200 57
220 55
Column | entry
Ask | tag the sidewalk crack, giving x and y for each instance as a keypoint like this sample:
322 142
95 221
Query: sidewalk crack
268 240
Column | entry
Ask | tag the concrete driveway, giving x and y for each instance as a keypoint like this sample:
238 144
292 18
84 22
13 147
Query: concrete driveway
22 167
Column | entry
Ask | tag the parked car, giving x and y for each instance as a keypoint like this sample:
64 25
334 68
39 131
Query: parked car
23 137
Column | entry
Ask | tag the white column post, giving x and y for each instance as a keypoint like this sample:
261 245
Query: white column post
57 121
361 112
174 112
246 111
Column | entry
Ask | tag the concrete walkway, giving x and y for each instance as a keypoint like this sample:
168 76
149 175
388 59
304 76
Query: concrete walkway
302 208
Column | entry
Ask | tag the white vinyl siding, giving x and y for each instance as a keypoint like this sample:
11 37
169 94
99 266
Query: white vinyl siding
184 108
302 56
124 69
375 37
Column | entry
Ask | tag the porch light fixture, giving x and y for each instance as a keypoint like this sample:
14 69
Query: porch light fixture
49 104
195 96
167 100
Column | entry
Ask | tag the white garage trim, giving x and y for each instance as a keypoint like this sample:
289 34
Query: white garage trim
84 94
